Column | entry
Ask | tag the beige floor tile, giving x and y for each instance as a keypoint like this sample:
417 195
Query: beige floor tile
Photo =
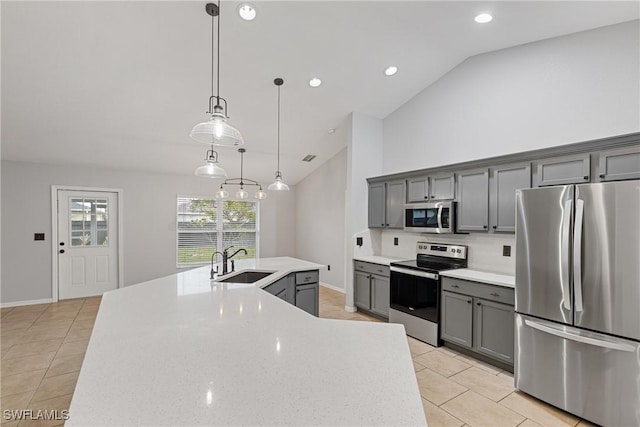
57 404
84 323
478 411
33 308
436 388
442 363
4 311
86 316
10 424
15 316
417 367
27 363
92 301
585 423
32 348
529 423
418 347
484 383
65 364
480 364
44 334
21 383
74 347
506 374
78 334
437 417
538 411
10 325
11 337
448 351
44 323
56 386
16 401
57 315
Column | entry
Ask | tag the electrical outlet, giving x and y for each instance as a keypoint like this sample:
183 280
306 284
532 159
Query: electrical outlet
506 250
395 241
38 236
359 241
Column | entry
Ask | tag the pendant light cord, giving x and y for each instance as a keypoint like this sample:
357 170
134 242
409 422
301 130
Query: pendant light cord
212 54
278 129
218 82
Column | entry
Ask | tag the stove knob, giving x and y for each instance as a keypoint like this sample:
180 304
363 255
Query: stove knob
453 250
459 250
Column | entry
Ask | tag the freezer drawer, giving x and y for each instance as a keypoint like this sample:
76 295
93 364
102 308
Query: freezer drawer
594 376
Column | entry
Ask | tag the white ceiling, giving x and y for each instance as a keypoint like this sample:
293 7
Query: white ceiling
120 84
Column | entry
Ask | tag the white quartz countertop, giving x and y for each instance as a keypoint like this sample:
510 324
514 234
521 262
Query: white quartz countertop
184 350
481 276
376 259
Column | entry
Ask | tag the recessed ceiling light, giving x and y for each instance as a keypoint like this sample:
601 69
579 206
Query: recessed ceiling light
315 82
332 130
390 71
247 11
483 18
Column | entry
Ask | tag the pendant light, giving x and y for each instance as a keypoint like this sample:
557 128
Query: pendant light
278 184
216 131
222 192
211 169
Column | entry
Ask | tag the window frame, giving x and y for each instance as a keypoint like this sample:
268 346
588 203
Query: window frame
219 227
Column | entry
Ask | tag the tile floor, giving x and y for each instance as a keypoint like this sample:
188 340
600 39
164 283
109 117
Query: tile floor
42 348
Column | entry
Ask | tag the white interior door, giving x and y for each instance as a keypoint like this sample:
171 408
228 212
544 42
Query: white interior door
87 243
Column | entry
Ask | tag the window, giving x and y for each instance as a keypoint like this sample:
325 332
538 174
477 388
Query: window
207 225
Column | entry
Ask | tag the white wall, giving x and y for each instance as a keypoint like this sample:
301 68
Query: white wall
320 227
557 91
149 221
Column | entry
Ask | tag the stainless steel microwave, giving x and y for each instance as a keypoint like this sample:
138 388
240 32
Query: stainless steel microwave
436 217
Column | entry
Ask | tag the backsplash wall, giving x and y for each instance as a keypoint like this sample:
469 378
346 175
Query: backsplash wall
485 250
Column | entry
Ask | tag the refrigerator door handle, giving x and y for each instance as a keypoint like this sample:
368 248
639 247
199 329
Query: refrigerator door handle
621 346
564 255
577 254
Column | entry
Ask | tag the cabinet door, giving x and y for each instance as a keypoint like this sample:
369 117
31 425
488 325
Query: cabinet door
396 196
307 298
457 318
380 295
494 329
563 170
377 202
506 180
473 200
442 187
623 163
417 189
362 290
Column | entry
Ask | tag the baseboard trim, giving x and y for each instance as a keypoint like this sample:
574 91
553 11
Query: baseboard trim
27 302
335 288
350 309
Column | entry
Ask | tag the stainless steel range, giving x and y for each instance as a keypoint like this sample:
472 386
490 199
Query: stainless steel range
415 288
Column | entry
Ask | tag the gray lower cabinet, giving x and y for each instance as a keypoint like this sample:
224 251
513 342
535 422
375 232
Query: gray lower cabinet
299 289
563 170
506 180
623 163
479 317
372 287
473 200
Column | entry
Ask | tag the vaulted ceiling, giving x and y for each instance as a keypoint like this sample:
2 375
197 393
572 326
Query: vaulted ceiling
121 84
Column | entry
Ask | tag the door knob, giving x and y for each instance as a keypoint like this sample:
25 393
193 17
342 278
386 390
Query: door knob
61 251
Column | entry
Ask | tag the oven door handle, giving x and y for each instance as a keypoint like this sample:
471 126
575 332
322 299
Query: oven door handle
414 272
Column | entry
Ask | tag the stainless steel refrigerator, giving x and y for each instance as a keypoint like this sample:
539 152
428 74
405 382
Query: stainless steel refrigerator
578 299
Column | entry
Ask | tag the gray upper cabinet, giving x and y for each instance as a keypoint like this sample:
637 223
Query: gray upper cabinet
506 180
417 189
564 170
494 330
473 200
386 204
443 187
377 205
623 163
396 195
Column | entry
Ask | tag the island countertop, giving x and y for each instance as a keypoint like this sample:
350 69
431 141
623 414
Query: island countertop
184 350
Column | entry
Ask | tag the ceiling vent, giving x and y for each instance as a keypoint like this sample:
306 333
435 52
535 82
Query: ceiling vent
309 157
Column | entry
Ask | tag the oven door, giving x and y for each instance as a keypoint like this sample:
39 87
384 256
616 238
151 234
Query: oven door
416 293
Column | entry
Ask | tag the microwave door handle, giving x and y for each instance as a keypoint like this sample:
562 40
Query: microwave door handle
564 255
440 217
577 254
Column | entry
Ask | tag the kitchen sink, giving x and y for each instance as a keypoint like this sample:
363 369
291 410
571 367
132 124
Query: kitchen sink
246 277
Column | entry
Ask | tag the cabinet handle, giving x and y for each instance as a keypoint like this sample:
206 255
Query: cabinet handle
478 303
61 251
495 294
586 177
495 226
307 278
484 226
426 197
455 286
602 175
386 225
381 225
469 301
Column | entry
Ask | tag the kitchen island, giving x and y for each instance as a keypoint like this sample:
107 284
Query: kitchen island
185 350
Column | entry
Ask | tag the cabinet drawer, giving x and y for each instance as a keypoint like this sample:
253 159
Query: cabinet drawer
369 267
480 290
304 277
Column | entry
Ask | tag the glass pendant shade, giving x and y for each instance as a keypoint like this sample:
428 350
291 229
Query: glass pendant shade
222 193
278 184
217 131
260 194
242 193
211 170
